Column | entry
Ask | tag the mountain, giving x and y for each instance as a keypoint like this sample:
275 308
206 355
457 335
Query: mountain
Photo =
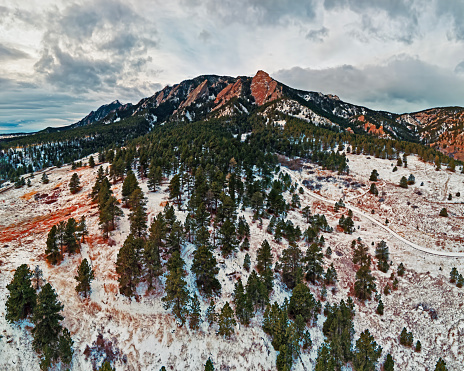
216 96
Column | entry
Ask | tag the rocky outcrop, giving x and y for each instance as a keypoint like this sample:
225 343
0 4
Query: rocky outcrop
199 92
230 91
265 89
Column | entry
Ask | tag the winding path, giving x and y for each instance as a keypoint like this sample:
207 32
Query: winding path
394 234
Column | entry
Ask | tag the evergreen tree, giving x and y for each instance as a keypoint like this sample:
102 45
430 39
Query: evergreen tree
154 176
400 270
194 313
324 360
47 319
227 238
444 212
21 300
441 365
91 161
406 338
45 179
106 366
138 215
243 304
177 294
226 321
307 214
175 192
330 276
403 182
257 291
366 353
70 239
373 189
389 364
211 315
374 176
313 263
65 349
382 254
52 252
152 260
129 185
247 262
364 285
84 277
291 266
264 257
128 265
205 269
302 303
74 183
379 309
418 346
209 365
81 230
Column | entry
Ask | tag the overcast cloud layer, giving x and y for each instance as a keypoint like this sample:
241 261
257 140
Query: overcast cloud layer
59 60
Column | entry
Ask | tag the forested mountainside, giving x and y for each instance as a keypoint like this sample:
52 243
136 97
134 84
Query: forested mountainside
230 223
210 97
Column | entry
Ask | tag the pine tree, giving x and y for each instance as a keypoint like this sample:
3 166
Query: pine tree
205 269
379 309
291 266
177 294
400 270
84 277
81 230
418 346
45 179
264 257
383 255
154 176
129 185
366 353
227 237
52 252
152 260
243 305
128 265
373 189
194 313
247 262
324 360
313 263
70 239
374 176
74 183
61 236
403 182
209 365
441 365
365 283
21 300
47 319
65 349
226 321
106 366
444 212
138 215
302 302
91 161
211 315
389 364
175 192
330 276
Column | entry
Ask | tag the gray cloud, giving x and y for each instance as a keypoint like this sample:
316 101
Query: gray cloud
95 46
459 68
401 84
205 36
318 35
257 12
8 53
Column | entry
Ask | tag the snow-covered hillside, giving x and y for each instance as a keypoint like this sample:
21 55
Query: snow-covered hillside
144 336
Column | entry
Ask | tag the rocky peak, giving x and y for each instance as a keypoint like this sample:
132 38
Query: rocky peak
199 92
264 88
230 91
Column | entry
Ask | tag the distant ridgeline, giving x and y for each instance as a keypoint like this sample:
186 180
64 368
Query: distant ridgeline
249 119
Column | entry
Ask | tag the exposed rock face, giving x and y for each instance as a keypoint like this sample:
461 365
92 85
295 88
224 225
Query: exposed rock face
199 92
265 89
229 92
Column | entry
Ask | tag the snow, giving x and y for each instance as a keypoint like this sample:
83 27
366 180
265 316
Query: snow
146 333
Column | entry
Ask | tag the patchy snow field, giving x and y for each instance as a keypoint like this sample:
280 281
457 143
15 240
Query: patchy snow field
144 336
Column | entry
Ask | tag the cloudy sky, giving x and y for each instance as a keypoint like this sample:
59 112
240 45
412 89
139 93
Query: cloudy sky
61 59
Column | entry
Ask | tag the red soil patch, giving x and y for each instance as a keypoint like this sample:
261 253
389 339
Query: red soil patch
28 196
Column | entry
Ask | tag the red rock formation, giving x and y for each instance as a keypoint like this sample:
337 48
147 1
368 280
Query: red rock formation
264 89
200 91
229 92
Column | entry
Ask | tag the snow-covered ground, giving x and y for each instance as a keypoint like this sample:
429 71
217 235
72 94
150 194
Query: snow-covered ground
144 335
